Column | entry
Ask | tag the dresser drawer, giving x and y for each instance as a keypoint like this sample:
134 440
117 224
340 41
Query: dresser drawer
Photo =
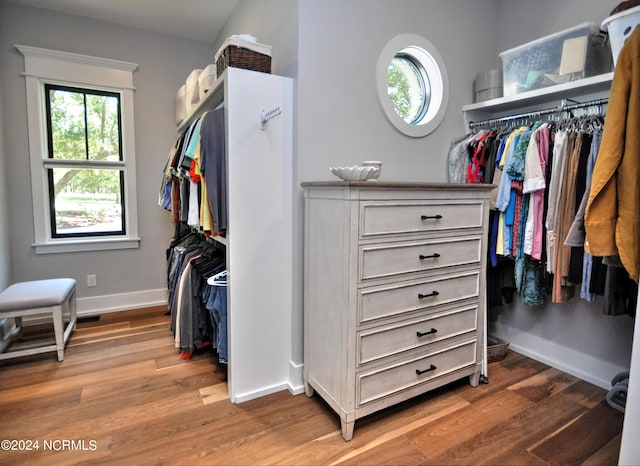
391 300
395 218
388 380
387 341
386 260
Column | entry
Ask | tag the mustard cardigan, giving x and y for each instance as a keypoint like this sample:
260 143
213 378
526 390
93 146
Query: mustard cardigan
613 209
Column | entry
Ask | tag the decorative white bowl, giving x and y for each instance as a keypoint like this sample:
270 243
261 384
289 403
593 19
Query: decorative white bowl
355 173
375 164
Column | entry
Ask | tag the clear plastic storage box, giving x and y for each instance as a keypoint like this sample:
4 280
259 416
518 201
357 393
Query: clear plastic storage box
576 53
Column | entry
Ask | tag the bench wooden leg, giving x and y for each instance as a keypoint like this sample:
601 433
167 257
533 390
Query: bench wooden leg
58 329
71 303
18 321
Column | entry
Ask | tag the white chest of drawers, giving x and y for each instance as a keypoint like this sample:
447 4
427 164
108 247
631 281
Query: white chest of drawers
394 283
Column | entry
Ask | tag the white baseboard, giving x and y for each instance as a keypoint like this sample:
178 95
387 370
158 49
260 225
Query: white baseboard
259 393
295 386
296 379
560 365
95 305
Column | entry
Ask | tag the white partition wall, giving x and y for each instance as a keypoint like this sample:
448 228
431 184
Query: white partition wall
259 237
630 447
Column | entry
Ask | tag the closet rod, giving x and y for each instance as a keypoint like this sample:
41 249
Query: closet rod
538 113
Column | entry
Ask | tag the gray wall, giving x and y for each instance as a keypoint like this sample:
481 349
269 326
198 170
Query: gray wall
522 21
331 46
340 121
575 336
164 61
274 23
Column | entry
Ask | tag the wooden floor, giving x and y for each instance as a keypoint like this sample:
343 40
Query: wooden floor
123 396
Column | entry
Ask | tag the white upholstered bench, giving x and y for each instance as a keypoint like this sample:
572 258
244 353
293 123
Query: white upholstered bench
56 296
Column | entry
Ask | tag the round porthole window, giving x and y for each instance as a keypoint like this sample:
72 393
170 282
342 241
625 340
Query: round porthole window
412 84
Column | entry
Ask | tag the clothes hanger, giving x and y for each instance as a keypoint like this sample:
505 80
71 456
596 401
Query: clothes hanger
219 279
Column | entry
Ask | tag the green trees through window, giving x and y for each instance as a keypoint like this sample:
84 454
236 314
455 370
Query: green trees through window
408 88
86 179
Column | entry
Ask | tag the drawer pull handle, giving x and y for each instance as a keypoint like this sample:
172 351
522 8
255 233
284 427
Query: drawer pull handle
435 255
430 217
422 334
431 368
422 296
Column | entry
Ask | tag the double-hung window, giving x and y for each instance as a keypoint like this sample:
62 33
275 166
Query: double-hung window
82 153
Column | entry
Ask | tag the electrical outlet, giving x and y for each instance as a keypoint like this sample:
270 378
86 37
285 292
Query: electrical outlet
91 281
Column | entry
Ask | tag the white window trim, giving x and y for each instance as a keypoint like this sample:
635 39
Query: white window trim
52 66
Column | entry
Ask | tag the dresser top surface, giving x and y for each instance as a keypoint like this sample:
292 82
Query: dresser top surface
395 185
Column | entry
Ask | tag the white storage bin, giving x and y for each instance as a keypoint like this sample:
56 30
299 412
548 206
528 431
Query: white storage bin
181 104
193 94
572 54
206 80
620 26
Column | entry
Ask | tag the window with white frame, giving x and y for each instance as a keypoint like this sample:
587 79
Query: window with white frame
82 153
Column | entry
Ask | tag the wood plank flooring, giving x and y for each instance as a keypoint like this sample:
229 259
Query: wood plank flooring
123 396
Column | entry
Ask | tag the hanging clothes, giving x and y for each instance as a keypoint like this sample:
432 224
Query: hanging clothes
194 177
542 171
612 216
190 262
576 236
216 304
563 289
458 159
213 166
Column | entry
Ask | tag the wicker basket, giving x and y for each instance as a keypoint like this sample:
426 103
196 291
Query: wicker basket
240 57
496 349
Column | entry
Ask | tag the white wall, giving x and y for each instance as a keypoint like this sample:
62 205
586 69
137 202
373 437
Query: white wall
276 23
630 447
164 63
5 265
